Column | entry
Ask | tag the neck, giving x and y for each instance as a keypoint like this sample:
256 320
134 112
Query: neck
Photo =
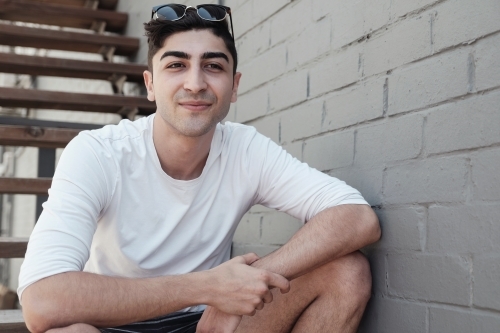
181 157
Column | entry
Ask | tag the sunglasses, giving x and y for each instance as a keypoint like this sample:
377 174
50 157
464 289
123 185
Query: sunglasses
174 12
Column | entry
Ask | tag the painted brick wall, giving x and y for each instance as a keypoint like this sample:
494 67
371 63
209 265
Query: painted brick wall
401 99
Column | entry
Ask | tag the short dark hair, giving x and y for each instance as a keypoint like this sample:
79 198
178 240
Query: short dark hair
158 31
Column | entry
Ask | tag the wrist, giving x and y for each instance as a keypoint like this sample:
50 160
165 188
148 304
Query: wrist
203 287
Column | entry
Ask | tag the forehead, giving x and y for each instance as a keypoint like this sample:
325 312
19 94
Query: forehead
193 42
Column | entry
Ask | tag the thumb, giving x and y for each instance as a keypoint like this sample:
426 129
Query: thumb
250 258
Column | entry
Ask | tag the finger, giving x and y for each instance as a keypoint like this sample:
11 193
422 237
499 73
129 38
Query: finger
278 281
250 258
259 306
268 297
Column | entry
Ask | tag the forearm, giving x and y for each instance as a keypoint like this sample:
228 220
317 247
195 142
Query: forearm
331 234
101 301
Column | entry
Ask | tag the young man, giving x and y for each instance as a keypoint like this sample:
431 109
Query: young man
141 215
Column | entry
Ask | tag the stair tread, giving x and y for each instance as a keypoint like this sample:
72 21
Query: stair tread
32 136
15 35
12 321
60 15
33 65
12 247
56 100
103 4
38 186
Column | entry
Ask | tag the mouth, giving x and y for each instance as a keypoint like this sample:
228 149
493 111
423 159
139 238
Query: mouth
195 105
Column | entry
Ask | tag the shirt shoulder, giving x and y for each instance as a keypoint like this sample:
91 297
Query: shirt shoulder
125 129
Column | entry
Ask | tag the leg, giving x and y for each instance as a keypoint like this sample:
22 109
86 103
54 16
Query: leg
331 298
76 328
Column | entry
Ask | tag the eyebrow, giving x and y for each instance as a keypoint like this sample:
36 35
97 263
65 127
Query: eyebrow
177 54
184 55
211 55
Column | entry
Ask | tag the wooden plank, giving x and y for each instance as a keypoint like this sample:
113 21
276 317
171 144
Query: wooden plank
39 186
103 4
15 35
12 321
41 99
23 64
13 247
64 16
36 136
30 122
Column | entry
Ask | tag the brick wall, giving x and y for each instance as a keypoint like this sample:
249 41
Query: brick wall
401 99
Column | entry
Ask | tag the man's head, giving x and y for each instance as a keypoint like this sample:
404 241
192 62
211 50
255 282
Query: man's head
192 74
158 30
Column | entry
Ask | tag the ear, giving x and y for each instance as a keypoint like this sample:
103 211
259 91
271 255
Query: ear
236 83
148 81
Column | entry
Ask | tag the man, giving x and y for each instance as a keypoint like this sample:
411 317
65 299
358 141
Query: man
136 234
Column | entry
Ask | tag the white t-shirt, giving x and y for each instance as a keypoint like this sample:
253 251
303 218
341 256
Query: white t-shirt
112 210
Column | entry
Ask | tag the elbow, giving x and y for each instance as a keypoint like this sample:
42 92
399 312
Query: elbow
39 314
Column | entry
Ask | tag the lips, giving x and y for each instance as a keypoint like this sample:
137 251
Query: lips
195 105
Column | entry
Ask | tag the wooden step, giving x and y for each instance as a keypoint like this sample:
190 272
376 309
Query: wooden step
12 321
15 35
41 99
63 16
31 122
38 186
22 64
103 4
32 136
13 247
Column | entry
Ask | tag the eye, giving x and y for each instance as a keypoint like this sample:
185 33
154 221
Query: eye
214 66
175 65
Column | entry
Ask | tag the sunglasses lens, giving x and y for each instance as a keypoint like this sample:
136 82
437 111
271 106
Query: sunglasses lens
170 12
211 13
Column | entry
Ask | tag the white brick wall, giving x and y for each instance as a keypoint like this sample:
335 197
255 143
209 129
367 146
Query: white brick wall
399 98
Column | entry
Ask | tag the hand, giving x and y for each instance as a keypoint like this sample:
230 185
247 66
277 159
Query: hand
216 321
236 288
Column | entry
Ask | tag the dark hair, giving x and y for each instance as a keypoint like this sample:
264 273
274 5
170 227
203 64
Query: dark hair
158 31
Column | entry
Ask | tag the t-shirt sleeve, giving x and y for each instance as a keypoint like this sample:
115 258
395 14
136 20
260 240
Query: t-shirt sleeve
80 190
288 185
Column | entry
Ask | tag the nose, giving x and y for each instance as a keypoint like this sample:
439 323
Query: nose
195 80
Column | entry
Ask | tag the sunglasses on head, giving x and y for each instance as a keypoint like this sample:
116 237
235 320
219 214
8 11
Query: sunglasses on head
174 12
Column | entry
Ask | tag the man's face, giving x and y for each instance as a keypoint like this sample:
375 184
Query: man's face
192 82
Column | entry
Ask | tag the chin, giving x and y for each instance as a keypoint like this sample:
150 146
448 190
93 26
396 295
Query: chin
196 131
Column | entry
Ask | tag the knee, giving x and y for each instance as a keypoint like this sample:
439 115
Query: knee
353 280
76 328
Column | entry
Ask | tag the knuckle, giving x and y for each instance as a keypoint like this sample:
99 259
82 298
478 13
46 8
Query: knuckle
261 290
249 310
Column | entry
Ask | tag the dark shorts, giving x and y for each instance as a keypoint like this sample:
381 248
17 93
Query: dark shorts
177 322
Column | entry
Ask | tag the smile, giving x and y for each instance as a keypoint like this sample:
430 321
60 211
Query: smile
195 105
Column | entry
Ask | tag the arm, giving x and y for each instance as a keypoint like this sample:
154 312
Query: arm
332 233
78 297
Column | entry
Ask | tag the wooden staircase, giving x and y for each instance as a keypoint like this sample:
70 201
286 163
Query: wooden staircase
101 24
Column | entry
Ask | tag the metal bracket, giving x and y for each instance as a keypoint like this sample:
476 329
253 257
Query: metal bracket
93 4
107 52
98 26
117 82
128 112
35 131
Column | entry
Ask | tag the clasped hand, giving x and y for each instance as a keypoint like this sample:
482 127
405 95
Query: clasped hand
237 289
